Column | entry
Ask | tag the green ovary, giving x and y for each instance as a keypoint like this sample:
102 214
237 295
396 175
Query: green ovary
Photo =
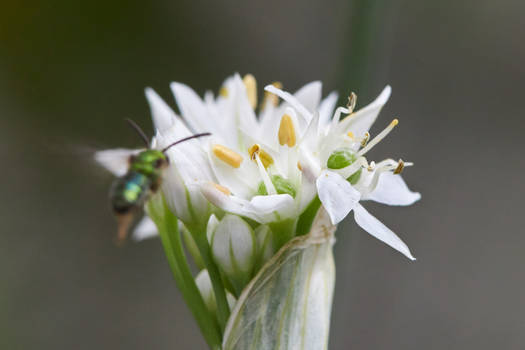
342 158
282 186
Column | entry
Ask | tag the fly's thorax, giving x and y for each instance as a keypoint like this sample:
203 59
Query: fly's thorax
149 163
130 191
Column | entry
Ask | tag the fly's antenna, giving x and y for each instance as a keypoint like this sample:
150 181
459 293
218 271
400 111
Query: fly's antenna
139 131
185 139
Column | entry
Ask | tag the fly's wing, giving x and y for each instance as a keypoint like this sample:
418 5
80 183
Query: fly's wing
115 160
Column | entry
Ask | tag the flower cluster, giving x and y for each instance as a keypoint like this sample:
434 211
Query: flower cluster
260 179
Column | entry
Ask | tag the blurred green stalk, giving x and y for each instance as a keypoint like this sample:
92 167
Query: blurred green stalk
363 34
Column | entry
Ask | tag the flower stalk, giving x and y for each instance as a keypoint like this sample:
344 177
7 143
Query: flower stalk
167 225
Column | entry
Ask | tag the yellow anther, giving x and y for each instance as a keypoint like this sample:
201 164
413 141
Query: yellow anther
223 91
223 189
394 123
270 98
287 131
251 89
351 135
227 155
299 166
365 139
352 101
400 167
265 158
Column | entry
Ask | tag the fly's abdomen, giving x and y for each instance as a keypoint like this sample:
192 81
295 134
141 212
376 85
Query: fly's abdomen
129 191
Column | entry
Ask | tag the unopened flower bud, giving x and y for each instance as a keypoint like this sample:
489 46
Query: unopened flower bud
213 222
204 285
341 158
234 250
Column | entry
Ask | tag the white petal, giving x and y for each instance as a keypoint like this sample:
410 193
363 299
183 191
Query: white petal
241 181
310 95
175 192
266 206
162 115
263 209
327 108
115 160
211 226
376 228
392 190
145 229
245 115
192 108
361 121
337 195
203 283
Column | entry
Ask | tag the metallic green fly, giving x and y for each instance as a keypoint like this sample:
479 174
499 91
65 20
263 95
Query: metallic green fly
142 179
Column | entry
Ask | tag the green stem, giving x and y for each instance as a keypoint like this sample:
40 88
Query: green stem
171 241
307 217
282 232
223 309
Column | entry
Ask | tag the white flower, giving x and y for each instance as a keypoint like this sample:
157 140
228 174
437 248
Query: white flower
379 182
247 153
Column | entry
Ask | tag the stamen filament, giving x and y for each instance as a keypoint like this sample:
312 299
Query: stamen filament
352 168
337 115
270 98
378 138
375 180
290 99
270 188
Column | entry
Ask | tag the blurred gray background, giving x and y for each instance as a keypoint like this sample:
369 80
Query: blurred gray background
71 71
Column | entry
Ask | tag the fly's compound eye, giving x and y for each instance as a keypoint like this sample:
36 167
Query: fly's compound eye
159 163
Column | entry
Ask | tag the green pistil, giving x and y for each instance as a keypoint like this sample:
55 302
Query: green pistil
342 158
282 186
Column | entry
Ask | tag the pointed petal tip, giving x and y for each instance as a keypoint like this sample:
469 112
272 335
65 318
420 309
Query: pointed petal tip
175 85
151 94
384 95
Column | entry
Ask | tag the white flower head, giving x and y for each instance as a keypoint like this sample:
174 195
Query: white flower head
257 203
270 163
